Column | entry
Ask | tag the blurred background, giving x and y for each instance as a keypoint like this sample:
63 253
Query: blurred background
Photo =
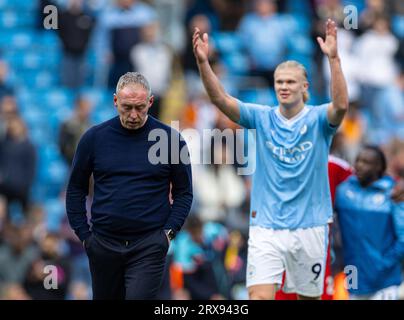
56 83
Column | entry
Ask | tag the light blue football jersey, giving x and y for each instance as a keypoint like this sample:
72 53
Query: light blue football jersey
290 187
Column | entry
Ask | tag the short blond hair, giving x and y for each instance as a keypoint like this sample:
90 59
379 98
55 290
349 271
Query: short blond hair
296 65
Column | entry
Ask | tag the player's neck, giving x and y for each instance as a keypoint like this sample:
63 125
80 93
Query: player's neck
292 110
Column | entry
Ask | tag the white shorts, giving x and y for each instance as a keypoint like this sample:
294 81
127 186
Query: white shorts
390 293
301 253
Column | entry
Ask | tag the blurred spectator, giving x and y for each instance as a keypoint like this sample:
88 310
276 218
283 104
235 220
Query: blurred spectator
13 291
192 254
193 83
72 129
350 65
372 228
202 7
352 132
328 9
229 13
236 264
373 9
79 291
154 59
74 29
396 7
5 88
8 110
118 31
16 254
51 254
375 50
323 9
400 55
220 191
171 15
265 52
17 164
397 159
390 124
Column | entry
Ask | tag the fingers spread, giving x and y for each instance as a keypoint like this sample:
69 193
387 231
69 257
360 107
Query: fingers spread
331 27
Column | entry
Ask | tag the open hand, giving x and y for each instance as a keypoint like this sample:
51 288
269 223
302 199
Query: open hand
200 46
329 46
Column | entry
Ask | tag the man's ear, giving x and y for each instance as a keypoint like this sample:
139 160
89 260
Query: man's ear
115 100
151 100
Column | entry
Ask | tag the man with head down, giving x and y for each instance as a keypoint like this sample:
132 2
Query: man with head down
132 217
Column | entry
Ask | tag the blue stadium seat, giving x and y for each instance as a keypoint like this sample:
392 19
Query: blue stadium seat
21 5
297 23
34 117
298 6
52 168
226 42
57 117
33 59
98 97
40 135
397 25
301 44
59 97
11 40
236 63
54 214
98 116
359 4
36 80
265 96
49 40
11 19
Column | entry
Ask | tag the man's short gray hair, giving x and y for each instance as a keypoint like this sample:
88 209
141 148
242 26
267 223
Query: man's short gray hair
135 78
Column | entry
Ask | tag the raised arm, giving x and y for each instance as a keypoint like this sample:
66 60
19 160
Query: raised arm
339 91
218 96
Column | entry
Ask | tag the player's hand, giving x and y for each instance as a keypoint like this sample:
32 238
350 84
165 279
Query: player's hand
329 46
398 192
200 45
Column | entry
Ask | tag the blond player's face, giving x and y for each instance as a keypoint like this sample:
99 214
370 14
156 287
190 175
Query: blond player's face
290 85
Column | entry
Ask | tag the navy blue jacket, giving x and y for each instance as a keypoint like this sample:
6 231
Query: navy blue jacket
131 190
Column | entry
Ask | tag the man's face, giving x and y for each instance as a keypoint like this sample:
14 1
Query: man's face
367 166
290 85
132 103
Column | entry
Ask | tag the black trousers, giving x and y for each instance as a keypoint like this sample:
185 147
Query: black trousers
129 270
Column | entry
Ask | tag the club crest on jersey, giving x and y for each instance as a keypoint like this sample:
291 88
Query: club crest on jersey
303 130
378 199
350 194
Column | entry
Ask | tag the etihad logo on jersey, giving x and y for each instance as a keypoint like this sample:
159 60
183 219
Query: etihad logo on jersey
291 155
